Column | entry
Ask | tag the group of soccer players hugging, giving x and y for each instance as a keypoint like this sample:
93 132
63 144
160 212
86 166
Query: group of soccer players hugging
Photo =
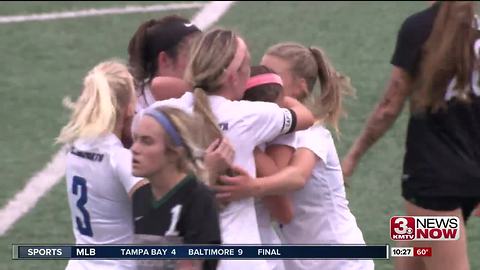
188 143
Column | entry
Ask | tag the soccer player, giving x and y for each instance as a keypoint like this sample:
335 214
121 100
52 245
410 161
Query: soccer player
219 80
435 65
265 85
175 207
321 213
158 53
98 167
320 207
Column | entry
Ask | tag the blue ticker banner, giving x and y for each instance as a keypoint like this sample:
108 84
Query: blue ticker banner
241 252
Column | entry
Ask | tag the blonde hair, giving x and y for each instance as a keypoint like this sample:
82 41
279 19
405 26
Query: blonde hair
312 63
447 53
107 89
191 152
210 57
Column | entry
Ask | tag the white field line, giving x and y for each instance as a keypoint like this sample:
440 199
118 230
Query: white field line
36 187
98 12
211 13
43 181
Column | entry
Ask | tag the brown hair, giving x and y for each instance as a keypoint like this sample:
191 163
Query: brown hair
312 63
205 72
265 92
448 53
168 34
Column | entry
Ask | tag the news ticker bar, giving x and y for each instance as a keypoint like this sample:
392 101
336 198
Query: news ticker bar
240 252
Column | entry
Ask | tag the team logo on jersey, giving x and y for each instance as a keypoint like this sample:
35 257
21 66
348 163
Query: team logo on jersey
223 126
287 121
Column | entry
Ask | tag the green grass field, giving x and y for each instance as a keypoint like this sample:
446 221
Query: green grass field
45 61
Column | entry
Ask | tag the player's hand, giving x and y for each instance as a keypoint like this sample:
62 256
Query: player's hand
349 163
219 157
235 188
126 138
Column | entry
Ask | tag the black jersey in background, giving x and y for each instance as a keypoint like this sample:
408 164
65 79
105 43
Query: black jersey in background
442 149
187 214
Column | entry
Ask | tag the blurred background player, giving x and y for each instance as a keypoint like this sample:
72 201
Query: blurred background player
219 80
435 65
98 167
175 207
158 54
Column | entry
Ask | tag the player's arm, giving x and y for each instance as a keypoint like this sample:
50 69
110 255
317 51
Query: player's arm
242 185
382 118
304 117
168 87
279 206
300 168
266 121
218 158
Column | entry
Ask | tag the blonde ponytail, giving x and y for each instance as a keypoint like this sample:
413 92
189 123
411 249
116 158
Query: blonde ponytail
206 71
209 121
311 64
106 89
333 86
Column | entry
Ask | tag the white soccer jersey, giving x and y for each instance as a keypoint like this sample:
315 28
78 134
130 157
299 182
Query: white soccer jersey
145 99
246 124
321 213
99 176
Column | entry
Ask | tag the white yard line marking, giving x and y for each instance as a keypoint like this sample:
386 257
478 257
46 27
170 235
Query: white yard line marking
35 188
43 181
98 12
211 13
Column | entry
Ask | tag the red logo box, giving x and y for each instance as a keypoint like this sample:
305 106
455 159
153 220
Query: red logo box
402 228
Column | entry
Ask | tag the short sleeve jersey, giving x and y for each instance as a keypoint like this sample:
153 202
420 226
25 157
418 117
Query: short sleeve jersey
99 177
187 214
246 124
443 148
320 208
412 35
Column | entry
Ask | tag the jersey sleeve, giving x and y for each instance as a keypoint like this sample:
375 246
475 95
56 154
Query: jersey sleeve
122 164
202 225
264 121
408 48
287 140
182 103
317 140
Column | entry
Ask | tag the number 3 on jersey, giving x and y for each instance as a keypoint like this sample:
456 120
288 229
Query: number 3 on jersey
79 185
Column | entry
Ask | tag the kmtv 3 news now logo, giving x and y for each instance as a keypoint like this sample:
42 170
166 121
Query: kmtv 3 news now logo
424 228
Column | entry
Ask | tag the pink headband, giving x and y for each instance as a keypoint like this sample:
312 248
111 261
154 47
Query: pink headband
264 79
238 58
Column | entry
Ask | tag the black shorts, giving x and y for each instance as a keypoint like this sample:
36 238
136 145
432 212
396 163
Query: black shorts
467 204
